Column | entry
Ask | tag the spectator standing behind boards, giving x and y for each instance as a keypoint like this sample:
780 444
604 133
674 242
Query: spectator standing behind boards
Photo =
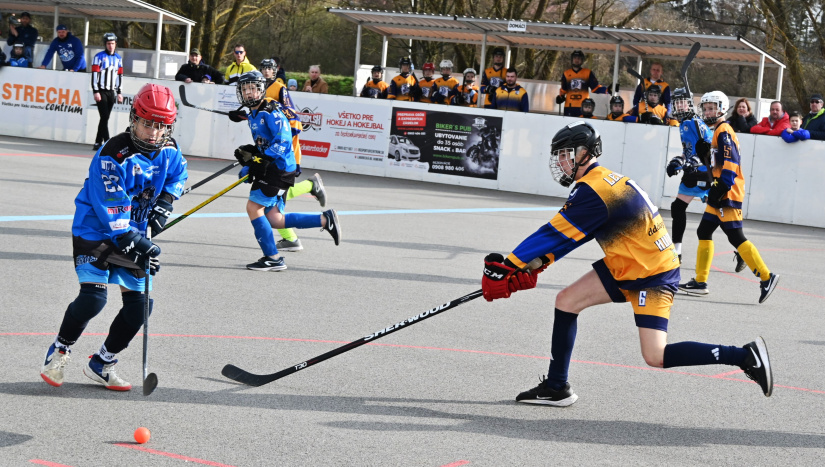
107 73
293 85
18 57
240 66
69 49
795 132
576 84
774 124
493 77
654 78
316 83
375 88
814 122
195 71
510 96
22 32
742 119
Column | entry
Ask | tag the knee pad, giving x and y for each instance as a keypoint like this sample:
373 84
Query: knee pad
89 303
705 230
678 207
132 311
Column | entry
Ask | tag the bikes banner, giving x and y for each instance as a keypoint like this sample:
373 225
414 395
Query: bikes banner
445 143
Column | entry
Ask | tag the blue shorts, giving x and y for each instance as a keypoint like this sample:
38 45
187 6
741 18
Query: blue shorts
257 196
696 192
86 272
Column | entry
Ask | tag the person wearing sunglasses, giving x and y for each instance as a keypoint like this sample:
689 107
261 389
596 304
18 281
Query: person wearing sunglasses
814 122
240 66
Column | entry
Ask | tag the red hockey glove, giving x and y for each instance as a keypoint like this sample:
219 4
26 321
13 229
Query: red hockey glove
494 284
523 280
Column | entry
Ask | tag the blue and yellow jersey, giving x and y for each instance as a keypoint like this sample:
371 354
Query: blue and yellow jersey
402 88
272 134
122 187
428 89
612 209
375 90
638 112
576 87
725 153
506 98
637 97
620 118
445 90
277 91
466 95
491 79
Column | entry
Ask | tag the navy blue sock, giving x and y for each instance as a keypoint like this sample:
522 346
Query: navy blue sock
561 349
697 353
302 220
263 233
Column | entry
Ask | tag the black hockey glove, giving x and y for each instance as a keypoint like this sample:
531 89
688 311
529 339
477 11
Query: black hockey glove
560 99
703 150
718 190
160 213
257 167
137 247
245 153
297 170
674 166
238 115
154 266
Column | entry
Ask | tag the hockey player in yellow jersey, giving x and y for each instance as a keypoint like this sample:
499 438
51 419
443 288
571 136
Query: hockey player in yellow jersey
493 76
427 83
467 94
576 85
510 95
724 209
445 85
617 113
588 107
650 110
404 87
640 266
375 88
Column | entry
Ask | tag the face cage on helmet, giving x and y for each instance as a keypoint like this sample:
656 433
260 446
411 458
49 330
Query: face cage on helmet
250 102
561 159
683 114
146 147
710 120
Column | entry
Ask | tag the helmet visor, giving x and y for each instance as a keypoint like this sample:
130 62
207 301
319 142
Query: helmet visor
563 164
250 93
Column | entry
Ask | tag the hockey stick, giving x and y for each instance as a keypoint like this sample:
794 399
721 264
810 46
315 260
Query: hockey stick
150 380
211 177
236 374
198 207
636 74
186 102
686 64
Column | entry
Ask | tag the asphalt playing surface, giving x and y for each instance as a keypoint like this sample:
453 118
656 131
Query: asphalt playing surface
438 393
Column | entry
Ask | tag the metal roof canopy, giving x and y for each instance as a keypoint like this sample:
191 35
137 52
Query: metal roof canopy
114 10
643 43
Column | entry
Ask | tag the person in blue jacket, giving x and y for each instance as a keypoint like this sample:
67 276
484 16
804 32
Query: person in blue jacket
795 132
22 32
132 181
18 57
69 49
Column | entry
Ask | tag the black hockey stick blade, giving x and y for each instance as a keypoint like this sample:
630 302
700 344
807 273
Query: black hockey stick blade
150 383
250 379
186 102
686 64
635 74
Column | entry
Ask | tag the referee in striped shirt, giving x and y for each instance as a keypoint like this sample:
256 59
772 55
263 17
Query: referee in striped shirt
107 72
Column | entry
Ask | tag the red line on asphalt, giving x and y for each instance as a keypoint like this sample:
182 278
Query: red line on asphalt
172 455
456 463
47 463
423 347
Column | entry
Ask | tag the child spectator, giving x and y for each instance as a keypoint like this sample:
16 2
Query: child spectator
795 132
293 85
18 57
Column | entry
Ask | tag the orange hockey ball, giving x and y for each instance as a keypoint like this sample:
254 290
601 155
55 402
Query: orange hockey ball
142 435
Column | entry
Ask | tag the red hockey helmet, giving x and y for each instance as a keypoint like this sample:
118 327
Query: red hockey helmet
428 66
154 107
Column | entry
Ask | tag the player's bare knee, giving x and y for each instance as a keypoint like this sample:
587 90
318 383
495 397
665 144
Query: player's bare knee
566 301
656 361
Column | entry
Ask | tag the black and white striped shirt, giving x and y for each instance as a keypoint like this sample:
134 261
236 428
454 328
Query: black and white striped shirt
107 71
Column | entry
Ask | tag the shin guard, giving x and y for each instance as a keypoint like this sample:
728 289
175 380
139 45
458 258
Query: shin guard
302 220
127 323
89 303
704 256
753 259
263 234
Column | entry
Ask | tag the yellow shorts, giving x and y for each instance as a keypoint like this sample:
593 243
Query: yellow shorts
728 218
651 307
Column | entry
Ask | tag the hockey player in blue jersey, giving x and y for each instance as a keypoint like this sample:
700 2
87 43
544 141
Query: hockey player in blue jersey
693 163
270 163
133 180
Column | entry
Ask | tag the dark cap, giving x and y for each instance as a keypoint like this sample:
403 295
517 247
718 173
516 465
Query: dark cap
195 51
61 27
26 14
816 97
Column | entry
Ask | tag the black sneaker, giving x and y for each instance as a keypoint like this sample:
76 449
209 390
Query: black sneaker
766 287
286 245
318 190
544 395
695 288
758 366
96 146
333 227
267 264
740 263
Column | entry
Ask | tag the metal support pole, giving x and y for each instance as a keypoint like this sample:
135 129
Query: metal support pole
357 61
507 58
639 67
85 32
779 83
384 45
157 45
187 47
759 87
483 65
616 68
54 31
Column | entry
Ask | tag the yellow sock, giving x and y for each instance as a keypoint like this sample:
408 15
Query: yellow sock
704 255
750 254
299 189
288 234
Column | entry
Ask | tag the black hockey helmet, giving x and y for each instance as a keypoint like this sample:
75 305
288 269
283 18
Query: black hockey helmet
405 61
109 36
572 141
498 51
589 102
377 68
682 104
653 89
616 100
251 78
268 63
577 53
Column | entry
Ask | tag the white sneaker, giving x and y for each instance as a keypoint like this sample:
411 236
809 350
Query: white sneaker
104 373
56 361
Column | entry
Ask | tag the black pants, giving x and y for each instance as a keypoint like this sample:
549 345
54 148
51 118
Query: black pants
104 108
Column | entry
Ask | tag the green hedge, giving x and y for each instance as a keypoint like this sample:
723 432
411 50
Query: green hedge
338 85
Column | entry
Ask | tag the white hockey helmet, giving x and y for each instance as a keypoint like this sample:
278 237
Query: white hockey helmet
470 70
446 64
722 103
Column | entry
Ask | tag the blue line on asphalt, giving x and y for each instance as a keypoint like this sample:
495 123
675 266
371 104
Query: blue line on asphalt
340 213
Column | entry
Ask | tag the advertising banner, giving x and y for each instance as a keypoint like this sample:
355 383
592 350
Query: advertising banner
343 131
459 144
